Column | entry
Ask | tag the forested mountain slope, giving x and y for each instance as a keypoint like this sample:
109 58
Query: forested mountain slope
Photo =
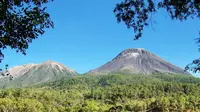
108 93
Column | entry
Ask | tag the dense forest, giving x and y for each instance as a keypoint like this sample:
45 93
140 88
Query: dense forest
107 93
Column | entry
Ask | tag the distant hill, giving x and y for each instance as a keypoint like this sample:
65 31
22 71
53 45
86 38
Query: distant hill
137 61
32 74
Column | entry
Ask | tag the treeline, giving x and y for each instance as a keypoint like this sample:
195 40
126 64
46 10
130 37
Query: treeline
108 93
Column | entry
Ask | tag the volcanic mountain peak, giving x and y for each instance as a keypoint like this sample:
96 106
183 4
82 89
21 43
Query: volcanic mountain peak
131 55
139 50
135 52
137 61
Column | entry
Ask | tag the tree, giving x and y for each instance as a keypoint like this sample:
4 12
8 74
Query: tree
21 21
137 14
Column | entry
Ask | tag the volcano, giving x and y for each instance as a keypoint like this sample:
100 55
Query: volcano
137 61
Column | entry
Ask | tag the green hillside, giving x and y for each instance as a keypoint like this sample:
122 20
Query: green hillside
114 93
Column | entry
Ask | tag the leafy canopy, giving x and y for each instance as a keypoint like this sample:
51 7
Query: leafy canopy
137 14
21 21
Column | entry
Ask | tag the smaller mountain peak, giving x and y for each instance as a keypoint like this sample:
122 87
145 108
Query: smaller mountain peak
50 62
31 64
57 65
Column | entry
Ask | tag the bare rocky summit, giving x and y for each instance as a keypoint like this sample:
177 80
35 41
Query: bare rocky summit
32 74
137 61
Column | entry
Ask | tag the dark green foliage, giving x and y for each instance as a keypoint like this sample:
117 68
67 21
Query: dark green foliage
137 14
194 66
21 21
108 93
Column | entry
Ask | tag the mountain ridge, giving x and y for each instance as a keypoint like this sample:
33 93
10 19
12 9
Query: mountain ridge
129 61
32 74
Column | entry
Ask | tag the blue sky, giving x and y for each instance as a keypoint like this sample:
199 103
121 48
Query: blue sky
87 35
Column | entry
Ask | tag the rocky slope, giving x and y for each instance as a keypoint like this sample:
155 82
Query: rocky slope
32 74
137 61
